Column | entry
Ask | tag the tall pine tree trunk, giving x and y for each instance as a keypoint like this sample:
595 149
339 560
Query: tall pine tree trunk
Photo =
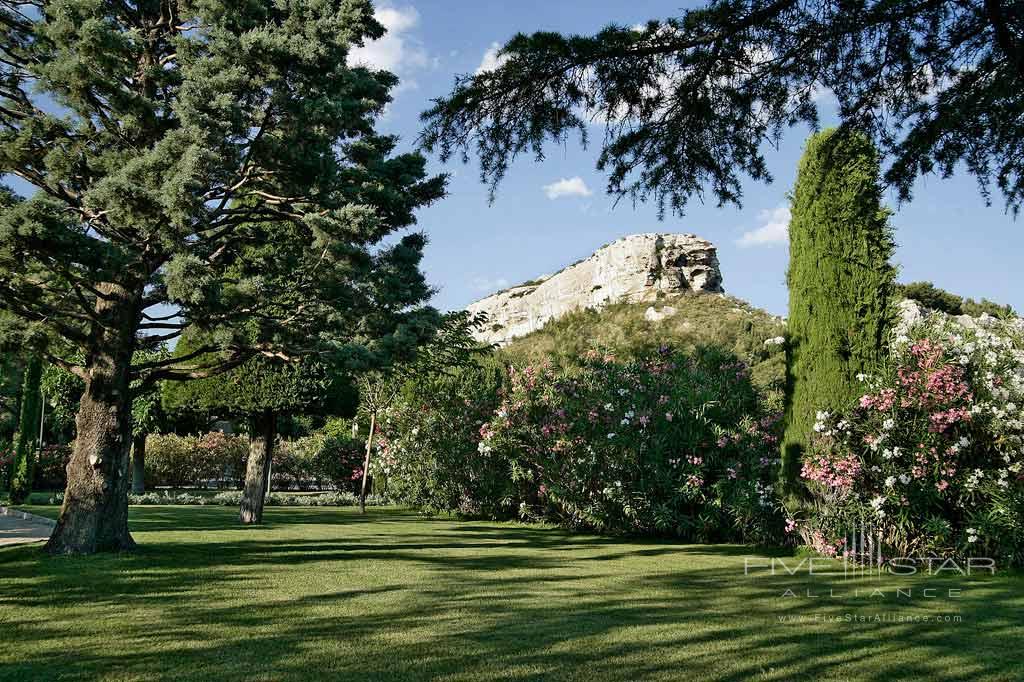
25 441
139 463
94 516
262 433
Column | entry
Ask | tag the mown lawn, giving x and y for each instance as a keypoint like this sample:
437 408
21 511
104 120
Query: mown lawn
327 594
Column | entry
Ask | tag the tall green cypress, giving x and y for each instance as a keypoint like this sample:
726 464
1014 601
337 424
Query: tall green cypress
841 283
28 432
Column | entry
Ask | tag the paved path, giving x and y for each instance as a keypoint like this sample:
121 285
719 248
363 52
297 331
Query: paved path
16 529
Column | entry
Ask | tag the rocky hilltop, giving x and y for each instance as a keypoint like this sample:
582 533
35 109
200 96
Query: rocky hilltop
632 269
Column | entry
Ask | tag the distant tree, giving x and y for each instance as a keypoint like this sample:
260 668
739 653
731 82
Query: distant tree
934 298
11 371
26 440
689 103
207 165
262 391
841 283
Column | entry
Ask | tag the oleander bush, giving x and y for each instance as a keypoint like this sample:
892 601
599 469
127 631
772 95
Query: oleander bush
213 459
325 459
328 458
427 449
669 444
51 467
932 452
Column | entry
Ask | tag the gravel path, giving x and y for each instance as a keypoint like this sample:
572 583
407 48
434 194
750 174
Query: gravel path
18 527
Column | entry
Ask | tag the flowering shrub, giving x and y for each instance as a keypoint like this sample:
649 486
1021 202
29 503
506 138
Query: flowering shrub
427 449
50 471
668 444
932 454
214 459
328 458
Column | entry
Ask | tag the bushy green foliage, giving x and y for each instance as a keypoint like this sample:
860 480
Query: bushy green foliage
26 440
212 459
665 444
325 459
328 458
428 455
840 282
700 320
257 386
932 452
934 298
51 467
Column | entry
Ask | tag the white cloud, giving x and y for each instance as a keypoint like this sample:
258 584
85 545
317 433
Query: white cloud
774 229
567 187
486 285
491 60
398 51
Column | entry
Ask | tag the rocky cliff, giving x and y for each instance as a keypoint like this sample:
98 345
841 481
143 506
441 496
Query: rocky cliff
635 268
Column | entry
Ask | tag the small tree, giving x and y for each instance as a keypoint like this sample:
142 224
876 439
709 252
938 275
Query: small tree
454 346
840 283
26 441
261 391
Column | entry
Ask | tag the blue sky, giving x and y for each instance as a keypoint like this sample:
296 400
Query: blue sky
946 234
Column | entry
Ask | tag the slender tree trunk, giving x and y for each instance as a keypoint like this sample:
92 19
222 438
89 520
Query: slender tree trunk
139 463
262 432
94 516
366 463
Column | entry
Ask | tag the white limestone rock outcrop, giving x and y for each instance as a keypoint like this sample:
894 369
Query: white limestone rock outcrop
632 269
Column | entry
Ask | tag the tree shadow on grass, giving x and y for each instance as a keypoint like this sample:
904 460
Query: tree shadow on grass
414 599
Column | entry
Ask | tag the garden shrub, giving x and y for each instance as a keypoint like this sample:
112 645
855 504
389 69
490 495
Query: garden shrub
51 467
427 449
328 458
669 444
932 452
325 459
213 459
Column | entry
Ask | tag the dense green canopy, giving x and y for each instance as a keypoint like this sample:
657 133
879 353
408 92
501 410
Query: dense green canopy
206 165
690 103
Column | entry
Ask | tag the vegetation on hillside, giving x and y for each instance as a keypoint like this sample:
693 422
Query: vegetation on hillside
700 320
934 298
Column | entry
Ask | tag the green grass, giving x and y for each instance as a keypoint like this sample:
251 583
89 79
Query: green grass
326 594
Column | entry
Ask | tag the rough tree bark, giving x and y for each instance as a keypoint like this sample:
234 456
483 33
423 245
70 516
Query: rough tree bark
94 516
262 433
366 463
139 463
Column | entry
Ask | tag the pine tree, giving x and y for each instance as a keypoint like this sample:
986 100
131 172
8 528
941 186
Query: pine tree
840 283
26 440
161 140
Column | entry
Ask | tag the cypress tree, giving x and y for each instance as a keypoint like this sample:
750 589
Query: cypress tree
28 430
840 283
